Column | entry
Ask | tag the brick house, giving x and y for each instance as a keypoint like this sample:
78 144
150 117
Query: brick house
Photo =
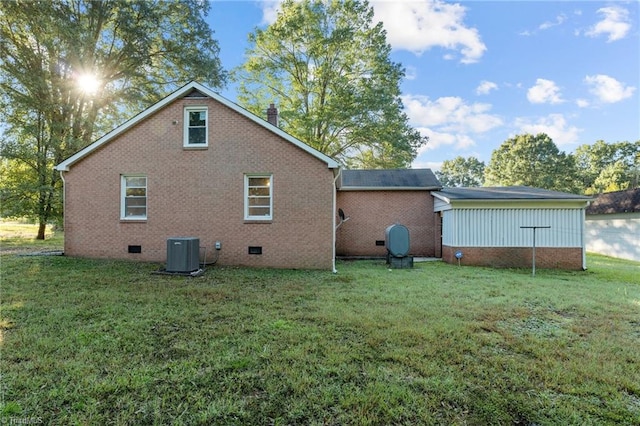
491 226
197 165
375 199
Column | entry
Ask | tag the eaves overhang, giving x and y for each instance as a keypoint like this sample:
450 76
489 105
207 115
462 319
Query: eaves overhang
519 204
461 198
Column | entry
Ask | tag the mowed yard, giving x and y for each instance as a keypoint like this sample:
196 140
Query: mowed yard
107 342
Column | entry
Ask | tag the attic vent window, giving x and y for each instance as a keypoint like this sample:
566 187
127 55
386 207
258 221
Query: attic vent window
196 127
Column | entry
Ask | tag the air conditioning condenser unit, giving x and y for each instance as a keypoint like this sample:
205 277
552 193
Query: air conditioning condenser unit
183 254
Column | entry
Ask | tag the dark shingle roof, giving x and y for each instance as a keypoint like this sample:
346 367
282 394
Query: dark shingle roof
390 179
507 193
627 201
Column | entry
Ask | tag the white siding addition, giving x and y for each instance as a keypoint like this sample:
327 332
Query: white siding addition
501 227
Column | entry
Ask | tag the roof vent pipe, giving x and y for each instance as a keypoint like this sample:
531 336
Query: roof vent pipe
272 115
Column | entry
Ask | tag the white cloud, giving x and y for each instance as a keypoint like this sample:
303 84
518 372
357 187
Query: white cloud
270 10
583 103
438 139
554 125
433 165
544 91
615 24
418 26
548 24
560 19
608 89
449 120
485 87
410 73
450 113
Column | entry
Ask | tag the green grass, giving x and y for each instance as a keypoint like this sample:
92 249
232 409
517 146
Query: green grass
105 342
20 236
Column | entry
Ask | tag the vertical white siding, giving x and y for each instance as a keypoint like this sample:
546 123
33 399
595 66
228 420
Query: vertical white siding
501 227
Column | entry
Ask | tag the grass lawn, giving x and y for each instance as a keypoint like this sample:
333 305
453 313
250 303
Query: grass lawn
106 342
19 236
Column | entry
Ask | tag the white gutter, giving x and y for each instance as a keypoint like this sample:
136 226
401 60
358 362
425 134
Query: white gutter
64 202
335 209
582 240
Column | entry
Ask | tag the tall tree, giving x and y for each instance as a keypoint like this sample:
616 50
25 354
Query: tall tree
467 172
328 68
532 161
604 167
126 54
612 178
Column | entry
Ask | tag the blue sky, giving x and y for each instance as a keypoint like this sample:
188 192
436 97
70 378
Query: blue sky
480 72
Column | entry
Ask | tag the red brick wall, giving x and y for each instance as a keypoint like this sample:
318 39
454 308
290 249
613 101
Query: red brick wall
200 193
371 212
515 257
437 237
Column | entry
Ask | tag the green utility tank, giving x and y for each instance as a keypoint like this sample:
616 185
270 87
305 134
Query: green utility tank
397 243
397 240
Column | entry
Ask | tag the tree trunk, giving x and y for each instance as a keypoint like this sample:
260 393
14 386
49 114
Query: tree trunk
42 226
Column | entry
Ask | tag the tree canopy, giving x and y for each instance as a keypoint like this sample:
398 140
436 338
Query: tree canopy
605 167
328 68
461 172
132 52
532 161
536 161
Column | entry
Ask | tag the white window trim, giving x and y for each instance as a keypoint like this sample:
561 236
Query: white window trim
185 142
123 196
247 216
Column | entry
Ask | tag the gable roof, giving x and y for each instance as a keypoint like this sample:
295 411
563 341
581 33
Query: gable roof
625 201
392 179
505 193
185 91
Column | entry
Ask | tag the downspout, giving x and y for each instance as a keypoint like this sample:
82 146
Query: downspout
582 239
64 202
335 201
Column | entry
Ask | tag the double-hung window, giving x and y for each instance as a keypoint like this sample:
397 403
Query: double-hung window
258 200
196 123
133 198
